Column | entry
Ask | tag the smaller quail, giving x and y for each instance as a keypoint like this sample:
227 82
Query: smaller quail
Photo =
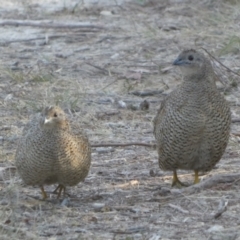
48 152
192 126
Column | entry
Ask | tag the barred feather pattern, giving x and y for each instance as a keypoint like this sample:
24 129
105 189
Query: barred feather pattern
192 126
52 154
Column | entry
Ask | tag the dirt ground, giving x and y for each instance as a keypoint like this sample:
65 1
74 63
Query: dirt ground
95 72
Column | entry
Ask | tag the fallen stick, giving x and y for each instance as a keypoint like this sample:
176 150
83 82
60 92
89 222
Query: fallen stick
236 134
235 120
210 182
152 145
47 37
124 208
109 84
99 68
178 208
146 93
49 24
123 144
228 69
222 207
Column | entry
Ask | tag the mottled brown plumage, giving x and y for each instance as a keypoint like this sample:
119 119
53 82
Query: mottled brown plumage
193 123
48 152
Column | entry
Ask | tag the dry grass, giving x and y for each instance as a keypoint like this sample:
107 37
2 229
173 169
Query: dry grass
126 195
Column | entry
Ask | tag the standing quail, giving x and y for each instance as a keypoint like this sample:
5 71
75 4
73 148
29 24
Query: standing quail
192 126
48 152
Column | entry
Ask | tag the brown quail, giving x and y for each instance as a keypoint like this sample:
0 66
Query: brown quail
48 152
192 125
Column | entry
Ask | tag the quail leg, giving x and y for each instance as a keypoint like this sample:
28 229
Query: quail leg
44 195
176 181
196 179
60 187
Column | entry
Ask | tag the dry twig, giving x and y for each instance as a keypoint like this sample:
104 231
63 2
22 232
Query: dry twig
222 207
99 68
235 120
130 230
146 93
124 208
213 181
123 144
236 134
48 37
229 70
109 84
49 24
178 208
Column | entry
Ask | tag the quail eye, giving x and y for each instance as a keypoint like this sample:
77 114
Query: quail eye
55 115
190 57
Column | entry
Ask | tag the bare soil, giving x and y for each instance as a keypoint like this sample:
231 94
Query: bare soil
91 72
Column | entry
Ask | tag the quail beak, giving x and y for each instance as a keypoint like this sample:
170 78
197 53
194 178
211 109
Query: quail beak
179 62
47 120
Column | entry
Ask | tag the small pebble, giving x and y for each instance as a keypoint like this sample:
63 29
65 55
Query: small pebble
8 97
98 206
144 105
4 202
122 104
65 202
106 13
215 228
114 56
